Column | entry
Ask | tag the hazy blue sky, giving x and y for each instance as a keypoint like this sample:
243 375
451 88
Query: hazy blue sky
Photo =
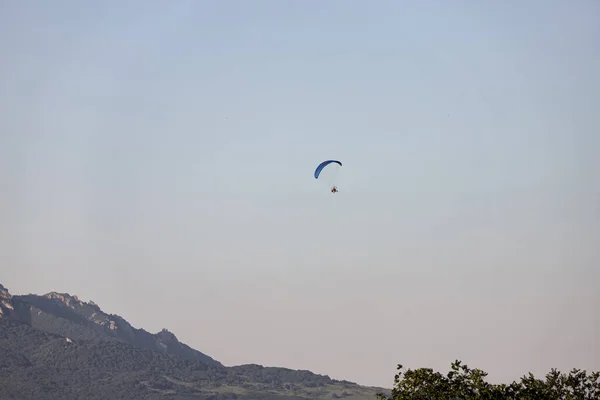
156 157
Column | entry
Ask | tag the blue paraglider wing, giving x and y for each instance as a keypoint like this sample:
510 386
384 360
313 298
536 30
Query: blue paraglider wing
323 165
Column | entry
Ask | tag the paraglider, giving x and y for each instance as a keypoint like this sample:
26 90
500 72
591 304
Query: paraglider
320 168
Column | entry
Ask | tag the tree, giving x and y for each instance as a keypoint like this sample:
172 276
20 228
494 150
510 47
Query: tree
462 383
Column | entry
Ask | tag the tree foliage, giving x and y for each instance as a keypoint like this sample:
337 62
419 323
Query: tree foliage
462 382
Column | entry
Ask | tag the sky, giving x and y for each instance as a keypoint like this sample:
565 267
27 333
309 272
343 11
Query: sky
157 158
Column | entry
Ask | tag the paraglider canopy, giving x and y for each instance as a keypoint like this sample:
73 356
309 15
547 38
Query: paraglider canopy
323 165
330 175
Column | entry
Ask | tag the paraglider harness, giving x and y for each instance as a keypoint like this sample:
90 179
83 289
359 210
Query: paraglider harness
334 189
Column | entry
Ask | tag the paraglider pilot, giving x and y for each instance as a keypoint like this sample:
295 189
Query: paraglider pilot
334 189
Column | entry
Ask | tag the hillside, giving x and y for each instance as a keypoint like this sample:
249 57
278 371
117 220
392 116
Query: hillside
57 346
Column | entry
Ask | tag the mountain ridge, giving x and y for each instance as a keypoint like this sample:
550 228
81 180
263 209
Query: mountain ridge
78 341
64 309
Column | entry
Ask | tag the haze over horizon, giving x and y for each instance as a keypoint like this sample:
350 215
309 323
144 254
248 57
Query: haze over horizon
157 159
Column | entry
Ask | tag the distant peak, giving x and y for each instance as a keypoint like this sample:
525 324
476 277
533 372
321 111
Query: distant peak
70 300
61 296
5 302
65 298
4 294
165 334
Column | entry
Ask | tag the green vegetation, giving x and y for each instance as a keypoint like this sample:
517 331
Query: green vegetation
462 382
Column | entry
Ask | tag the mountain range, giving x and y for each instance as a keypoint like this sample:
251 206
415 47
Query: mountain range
56 346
